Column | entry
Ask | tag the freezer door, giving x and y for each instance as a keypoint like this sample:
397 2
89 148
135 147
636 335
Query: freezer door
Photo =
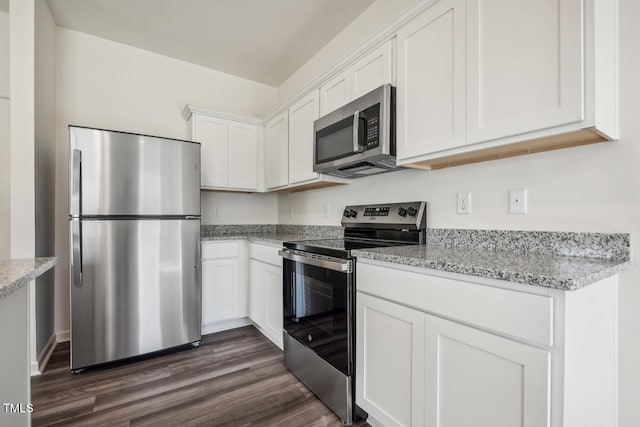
135 288
115 173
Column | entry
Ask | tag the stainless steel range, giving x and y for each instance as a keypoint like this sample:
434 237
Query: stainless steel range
319 297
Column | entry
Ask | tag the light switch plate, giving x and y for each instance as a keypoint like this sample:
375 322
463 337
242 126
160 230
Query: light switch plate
464 203
518 201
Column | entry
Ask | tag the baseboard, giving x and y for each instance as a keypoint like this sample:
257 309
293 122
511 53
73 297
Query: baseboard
63 336
225 325
37 367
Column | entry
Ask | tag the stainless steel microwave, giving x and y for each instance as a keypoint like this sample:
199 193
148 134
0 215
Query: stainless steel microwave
357 139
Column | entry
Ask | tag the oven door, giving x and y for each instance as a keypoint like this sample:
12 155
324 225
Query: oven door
319 305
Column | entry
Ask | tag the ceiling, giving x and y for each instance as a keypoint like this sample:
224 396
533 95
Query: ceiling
264 41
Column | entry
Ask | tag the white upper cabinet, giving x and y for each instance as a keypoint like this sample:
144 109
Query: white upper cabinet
524 68
431 80
243 156
301 117
276 138
369 72
229 149
213 135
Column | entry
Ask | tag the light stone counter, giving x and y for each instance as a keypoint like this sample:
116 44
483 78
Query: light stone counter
16 273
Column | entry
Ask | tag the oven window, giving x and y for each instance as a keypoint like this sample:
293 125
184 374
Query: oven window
335 141
316 311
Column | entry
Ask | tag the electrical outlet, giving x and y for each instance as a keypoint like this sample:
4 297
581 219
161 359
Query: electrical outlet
326 210
464 203
216 211
291 212
518 201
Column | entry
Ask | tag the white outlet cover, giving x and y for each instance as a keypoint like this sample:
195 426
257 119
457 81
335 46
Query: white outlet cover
518 201
464 203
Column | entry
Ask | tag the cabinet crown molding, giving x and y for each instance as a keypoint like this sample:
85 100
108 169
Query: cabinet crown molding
190 109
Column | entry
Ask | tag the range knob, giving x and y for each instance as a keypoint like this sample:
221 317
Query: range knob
353 213
412 211
346 213
402 212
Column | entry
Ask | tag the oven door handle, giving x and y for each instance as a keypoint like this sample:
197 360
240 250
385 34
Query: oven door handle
336 264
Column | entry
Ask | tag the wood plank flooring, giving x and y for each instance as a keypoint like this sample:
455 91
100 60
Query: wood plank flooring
235 378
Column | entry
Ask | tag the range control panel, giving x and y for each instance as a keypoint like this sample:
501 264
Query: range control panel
398 215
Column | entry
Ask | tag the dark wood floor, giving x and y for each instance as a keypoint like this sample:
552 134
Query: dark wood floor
235 378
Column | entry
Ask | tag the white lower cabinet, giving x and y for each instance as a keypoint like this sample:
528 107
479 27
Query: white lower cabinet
475 378
390 361
266 293
224 288
446 352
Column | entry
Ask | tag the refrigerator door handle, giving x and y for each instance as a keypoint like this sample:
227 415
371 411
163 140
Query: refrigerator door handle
76 183
76 252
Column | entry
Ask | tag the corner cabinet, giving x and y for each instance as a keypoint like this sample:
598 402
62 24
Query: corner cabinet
476 352
224 286
265 271
276 146
486 79
230 149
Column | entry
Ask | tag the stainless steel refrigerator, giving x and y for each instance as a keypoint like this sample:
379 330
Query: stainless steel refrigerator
134 222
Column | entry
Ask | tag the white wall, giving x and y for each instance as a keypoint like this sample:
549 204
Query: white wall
45 163
109 85
238 208
5 233
590 188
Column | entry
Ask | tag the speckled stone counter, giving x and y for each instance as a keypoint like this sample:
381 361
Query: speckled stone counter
268 233
566 261
16 273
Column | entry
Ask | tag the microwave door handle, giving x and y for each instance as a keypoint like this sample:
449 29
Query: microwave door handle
356 128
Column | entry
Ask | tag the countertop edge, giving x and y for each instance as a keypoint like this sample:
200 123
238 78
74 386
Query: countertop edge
497 274
15 284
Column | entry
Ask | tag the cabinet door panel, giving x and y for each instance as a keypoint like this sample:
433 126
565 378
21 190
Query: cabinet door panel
277 151
219 290
524 66
301 118
257 292
477 378
335 93
243 156
389 367
431 81
213 135
374 70
274 317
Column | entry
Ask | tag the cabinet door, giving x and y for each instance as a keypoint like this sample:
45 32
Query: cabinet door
243 156
257 293
524 62
389 365
213 135
431 81
474 378
373 70
301 117
274 317
220 288
335 93
277 151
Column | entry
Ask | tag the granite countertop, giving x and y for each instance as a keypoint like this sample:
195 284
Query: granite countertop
15 273
538 269
271 238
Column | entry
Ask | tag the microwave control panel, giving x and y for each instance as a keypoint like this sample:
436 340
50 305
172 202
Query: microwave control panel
372 116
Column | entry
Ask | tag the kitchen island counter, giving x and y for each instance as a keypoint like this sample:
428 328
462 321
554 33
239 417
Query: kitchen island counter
16 273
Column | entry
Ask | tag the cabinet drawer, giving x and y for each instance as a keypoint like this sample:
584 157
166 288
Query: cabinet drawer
517 314
215 250
265 253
